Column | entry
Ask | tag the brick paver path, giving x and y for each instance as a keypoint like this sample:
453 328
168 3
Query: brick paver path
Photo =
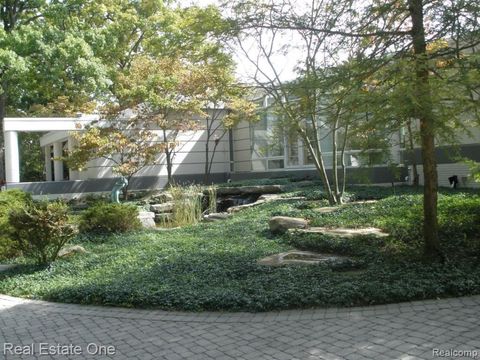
399 331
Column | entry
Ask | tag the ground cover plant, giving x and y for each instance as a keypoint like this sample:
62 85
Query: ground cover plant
212 266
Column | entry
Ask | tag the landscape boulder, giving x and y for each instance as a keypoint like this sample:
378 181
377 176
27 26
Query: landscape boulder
248 190
71 250
297 257
160 198
344 233
162 208
216 217
281 224
147 218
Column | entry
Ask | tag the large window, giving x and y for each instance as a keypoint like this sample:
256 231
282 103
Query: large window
268 148
272 149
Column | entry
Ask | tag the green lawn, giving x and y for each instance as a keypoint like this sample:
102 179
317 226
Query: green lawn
212 266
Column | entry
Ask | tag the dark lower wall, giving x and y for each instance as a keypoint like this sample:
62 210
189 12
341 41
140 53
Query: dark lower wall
105 185
371 175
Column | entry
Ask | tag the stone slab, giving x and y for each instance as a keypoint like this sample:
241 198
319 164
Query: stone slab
147 218
7 267
247 190
343 232
162 208
297 257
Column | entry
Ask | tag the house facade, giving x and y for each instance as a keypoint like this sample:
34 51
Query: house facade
449 159
248 151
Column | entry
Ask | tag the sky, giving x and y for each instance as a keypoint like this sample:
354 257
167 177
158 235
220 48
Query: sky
245 71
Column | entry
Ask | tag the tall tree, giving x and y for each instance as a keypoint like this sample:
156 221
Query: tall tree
311 105
225 104
164 94
45 56
14 16
157 68
386 31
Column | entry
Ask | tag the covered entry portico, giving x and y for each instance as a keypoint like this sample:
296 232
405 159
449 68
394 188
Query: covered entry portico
59 128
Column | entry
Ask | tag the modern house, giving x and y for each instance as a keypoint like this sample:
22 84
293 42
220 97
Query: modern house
247 151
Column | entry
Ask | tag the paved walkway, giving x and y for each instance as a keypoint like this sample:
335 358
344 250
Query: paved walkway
400 331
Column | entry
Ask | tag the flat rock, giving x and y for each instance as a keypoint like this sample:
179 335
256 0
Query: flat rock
326 209
161 198
7 267
296 257
269 197
361 202
147 219
263 199
216 217
162 208
245 190
343 232
275 197
280 224
237 208
71 250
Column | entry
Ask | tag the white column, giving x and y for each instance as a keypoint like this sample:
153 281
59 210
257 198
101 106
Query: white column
12 159
57 164
48 163
72 174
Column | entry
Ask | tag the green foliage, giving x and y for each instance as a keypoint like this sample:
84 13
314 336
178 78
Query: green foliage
48 57
10 200
212 266
41 229
127 144
106 218
187 204
212 199
474 170
32 158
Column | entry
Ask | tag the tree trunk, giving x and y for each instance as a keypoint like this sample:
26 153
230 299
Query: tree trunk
334 163
320 166
344 167
168 154
427 132
412 154
168 158
207 162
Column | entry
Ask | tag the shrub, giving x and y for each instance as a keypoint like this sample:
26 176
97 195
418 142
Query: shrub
14 199
110 218
41 229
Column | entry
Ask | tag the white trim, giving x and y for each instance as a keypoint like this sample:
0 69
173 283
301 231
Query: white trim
41 124
57 163
12 158
53 137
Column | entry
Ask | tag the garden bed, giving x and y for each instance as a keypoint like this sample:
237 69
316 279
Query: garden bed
213 266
